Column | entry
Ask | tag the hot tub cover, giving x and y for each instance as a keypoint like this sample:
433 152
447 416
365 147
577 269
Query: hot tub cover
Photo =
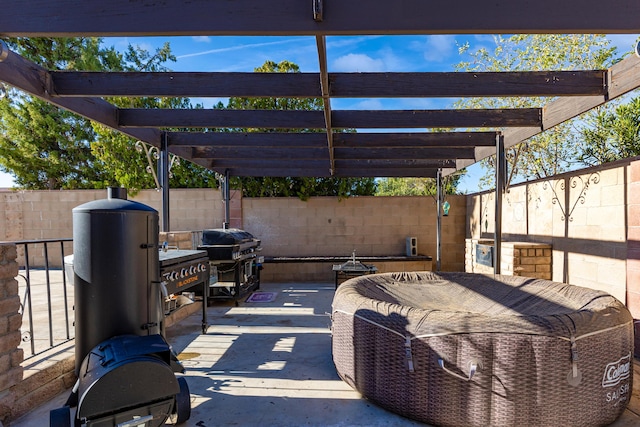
464 349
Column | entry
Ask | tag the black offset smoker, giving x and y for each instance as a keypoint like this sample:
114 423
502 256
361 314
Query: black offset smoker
125 368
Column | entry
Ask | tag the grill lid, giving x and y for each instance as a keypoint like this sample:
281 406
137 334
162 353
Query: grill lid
229 236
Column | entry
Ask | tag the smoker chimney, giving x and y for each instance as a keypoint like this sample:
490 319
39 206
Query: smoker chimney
117 193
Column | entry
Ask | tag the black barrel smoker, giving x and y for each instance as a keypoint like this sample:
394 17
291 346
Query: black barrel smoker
125 368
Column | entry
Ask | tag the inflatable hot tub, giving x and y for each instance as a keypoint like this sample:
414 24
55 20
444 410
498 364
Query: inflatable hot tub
460 349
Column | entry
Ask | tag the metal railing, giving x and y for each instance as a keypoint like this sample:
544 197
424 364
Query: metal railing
46 299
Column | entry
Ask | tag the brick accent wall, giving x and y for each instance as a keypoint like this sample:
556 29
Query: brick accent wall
518 259
531 260
11 356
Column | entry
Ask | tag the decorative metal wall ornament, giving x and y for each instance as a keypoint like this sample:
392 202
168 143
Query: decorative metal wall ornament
576 182
445 208
221 179
485 211
153 155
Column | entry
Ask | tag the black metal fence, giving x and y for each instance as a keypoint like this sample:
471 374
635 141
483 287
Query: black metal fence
46 295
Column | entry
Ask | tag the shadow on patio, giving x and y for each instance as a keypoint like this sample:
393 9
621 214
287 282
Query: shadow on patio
270 364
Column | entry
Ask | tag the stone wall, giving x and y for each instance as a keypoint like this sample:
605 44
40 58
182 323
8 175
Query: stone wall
11 356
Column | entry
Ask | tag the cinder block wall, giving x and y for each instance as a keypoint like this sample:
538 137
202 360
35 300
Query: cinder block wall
633 249
327 226
37 215
582 215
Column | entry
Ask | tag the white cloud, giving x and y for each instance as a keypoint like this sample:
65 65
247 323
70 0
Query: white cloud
357 62
242 46
201 39
369 104
436 48
335 42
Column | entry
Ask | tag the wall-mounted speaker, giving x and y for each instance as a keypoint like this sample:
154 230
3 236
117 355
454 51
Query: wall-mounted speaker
412 246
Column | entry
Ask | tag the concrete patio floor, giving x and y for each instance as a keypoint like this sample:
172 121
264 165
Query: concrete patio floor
270 364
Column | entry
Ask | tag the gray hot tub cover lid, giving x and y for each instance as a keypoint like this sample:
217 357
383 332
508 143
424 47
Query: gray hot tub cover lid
431 304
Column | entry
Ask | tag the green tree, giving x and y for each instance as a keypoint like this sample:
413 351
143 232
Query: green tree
115 151
45 147
42 146
418 186
612 135
302 187
555 150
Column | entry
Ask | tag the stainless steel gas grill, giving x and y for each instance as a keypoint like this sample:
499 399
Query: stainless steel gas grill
185 269
233 261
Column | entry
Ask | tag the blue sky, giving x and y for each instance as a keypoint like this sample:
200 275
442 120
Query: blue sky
344 54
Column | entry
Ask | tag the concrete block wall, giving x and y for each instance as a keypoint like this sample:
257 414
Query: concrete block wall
581 214
11 357
326 226
181 239
37 215
633 249
190 209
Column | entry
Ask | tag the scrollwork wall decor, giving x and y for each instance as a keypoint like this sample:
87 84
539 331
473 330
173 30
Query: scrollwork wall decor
153 154
576 182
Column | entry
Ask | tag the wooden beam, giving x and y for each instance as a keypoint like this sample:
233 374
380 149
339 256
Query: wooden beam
185 84
431 153
215 118
385 173
322 173
46 18
325 88
36 81
394 163
339 85
622 78
285 154
266 140
340 119
414 119
426 139
326 101
253 140
283 171
262 163
467 84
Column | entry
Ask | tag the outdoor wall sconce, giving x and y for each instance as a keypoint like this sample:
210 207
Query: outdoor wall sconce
445 208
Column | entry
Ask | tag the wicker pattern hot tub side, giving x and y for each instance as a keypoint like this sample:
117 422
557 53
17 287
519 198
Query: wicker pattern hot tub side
546 353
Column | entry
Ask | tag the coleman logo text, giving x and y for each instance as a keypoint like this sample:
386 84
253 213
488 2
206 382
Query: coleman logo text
617 371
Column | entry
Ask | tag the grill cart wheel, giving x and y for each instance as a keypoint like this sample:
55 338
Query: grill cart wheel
60 417
183 402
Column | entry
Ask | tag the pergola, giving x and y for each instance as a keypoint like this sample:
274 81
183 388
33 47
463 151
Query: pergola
329 153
